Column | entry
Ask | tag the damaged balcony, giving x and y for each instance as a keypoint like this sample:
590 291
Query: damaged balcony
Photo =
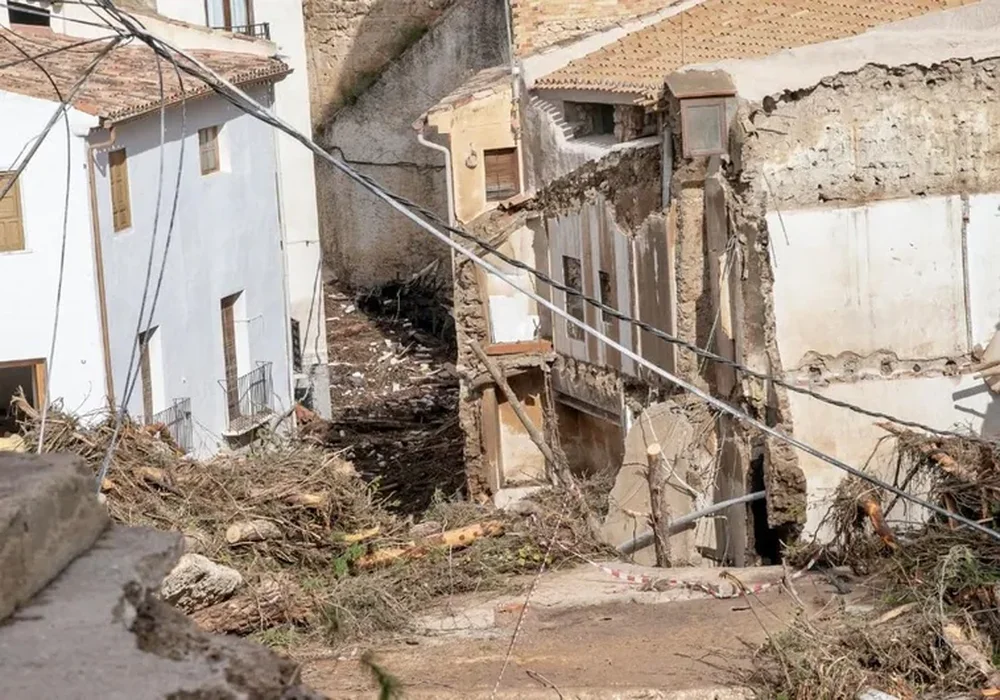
178 422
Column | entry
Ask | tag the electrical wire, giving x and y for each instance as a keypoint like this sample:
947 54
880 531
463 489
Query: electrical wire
51 52
130 379
50 360
63 106
432 217
240 99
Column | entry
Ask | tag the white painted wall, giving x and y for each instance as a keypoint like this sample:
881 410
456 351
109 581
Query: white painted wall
29 278
887 276
226 239
297 185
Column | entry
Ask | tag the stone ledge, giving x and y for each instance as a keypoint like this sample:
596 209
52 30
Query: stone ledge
49 515
98 631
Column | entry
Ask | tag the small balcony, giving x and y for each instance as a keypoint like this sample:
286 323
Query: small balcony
261 30
178 422
251 401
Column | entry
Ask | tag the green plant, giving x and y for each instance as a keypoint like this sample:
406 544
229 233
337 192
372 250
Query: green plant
388 685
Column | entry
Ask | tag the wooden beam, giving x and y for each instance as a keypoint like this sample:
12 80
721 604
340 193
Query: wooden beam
519 347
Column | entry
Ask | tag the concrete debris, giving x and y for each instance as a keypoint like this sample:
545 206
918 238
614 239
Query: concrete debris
198 582
49 515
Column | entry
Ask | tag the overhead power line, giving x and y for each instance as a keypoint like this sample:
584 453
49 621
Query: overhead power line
248 105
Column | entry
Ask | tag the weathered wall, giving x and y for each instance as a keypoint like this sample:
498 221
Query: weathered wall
541 23
478 125
879 217
364 241
351 42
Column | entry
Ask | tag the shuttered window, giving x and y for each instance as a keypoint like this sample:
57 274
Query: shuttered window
229 355
11 222
573 278
121 207
502 179
208 149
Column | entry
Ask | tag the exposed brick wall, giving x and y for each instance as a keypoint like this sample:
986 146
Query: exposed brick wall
541 23
350 42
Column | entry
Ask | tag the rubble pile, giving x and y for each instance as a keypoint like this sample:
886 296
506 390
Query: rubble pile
288 540
925 619
395 389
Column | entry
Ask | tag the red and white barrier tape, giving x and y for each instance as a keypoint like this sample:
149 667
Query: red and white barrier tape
712 589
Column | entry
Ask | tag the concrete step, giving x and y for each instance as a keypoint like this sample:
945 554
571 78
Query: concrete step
49 515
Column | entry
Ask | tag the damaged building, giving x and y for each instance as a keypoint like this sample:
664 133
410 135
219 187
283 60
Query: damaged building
808 193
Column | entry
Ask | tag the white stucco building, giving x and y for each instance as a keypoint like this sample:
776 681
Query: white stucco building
265 28
215 358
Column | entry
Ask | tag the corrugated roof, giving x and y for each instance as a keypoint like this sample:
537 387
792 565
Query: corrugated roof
726 29
125 83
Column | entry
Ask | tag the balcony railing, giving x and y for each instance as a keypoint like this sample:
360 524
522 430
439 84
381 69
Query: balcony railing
261 30
178 421
251 401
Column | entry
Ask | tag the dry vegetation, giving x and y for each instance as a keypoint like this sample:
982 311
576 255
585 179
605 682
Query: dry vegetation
317 574
930 625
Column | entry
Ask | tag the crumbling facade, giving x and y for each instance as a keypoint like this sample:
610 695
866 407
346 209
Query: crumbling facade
832 235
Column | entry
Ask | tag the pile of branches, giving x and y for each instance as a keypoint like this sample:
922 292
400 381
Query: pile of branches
930 626
320 550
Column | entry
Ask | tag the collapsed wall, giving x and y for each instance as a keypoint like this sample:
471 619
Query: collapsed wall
866 205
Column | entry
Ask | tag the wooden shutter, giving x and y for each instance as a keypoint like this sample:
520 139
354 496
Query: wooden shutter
147 378
208 149
502 177
121 207
11 223
229 355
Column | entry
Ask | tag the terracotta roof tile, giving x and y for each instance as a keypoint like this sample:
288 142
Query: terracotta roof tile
726 29
483 84
126 83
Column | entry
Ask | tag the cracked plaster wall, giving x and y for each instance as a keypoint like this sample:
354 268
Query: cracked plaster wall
366 242
868 202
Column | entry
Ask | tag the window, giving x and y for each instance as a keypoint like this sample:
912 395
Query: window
590 118
229 14
296 346
11 222
23 14
121 207
703 126
607 297
502 178
208 149
573 278
22 376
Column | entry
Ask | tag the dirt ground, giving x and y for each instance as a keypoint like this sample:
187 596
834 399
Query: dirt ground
671 642
394 392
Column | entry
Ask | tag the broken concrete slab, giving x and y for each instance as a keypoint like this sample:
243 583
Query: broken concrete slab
98 631
198 582
49 515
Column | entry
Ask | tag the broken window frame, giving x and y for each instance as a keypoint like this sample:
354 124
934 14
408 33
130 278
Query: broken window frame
606 286
687 127
574 303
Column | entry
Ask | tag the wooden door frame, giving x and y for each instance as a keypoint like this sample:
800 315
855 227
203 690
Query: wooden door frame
38 378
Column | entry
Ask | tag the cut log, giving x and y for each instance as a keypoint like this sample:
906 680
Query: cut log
268 604
658 475
252 531
455 539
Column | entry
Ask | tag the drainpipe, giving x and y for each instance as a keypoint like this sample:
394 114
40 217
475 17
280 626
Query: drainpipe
447 171
95 227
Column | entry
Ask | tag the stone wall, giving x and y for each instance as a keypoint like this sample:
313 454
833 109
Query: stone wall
351 42
542 23
365 242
